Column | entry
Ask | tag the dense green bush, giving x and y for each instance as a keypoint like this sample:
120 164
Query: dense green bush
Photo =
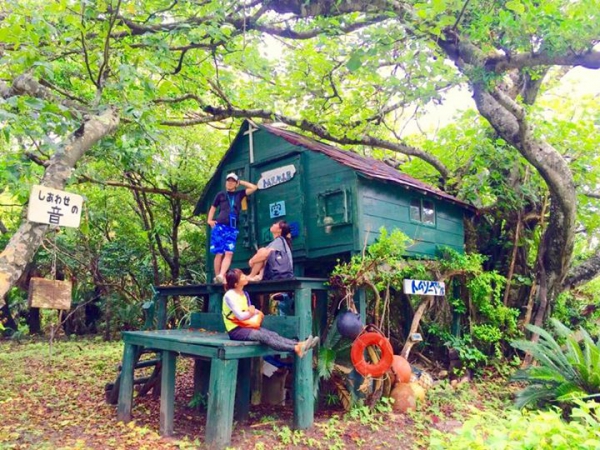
525 430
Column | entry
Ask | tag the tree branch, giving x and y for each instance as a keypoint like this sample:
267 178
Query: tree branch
583 273
498 64
152 190
26 85
214 114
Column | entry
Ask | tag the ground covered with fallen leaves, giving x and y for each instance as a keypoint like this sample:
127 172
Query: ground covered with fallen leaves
52 397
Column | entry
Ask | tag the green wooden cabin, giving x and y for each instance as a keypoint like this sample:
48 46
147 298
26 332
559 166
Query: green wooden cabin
333 199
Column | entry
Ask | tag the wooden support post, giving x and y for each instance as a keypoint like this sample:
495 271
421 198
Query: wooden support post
360 299
126 385
242 394
201 379
221 399
256 381
167 397
161 312
303 373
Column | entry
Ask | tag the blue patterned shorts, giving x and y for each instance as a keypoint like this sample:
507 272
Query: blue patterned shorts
222 239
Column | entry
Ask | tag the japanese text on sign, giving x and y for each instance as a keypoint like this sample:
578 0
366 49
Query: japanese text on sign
424 287
54 207
277 176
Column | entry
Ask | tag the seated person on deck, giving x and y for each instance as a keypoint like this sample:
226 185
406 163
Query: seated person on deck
236 305
275 261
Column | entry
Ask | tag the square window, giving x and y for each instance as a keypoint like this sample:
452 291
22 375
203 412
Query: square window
334 207
422 211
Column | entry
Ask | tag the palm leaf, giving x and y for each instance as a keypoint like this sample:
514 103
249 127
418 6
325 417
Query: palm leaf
564 373
534 394
568 392
543 374
546 355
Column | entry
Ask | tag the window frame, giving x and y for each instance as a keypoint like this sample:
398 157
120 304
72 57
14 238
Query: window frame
421 211
322 207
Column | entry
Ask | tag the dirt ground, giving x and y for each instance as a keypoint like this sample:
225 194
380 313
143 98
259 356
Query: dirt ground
56 400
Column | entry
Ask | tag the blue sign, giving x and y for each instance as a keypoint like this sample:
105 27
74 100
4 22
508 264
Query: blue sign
277 209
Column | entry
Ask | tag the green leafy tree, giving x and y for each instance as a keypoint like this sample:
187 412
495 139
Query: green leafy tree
77 73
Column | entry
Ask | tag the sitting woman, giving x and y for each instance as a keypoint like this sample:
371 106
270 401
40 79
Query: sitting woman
237 308
275 261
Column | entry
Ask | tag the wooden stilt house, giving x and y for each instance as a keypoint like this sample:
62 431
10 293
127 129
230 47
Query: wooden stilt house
335 200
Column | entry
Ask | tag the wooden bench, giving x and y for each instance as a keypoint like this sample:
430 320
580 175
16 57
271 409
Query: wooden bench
227 362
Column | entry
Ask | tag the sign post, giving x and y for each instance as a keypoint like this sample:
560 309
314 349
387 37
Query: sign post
59 208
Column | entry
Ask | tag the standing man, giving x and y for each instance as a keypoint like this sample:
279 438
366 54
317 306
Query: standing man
224 228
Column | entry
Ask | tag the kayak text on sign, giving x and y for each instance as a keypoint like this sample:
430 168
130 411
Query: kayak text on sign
424 287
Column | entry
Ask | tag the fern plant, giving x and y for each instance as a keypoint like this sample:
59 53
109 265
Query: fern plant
565 372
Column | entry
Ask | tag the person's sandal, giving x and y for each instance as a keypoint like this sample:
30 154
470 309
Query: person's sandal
314 342
219 279
303 346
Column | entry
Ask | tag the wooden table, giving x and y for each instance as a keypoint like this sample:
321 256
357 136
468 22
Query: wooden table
229 383
227 361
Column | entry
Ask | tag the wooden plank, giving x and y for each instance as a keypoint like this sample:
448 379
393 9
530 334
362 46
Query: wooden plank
167 397
193 290
126 385
284 325
49 294
207 321
190 349
221 397
304 402
247 352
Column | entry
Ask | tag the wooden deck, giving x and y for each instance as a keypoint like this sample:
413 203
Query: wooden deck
226 363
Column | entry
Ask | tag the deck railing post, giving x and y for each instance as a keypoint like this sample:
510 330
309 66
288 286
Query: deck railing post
303 372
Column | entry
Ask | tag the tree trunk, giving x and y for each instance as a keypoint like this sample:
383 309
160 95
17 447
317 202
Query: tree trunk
25 242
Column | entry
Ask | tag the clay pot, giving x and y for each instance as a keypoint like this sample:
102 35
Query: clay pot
401 369
404 398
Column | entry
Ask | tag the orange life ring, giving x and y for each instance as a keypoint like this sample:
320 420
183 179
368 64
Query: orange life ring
357 354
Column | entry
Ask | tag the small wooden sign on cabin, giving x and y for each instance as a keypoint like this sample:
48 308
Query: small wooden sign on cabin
49 294
335 201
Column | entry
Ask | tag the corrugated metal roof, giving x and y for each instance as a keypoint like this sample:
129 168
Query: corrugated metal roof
369 167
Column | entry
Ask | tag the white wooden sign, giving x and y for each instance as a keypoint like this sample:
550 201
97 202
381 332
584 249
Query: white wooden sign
277 176
424 287
54 207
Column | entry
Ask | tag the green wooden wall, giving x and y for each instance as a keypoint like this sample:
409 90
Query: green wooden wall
388 205
333 206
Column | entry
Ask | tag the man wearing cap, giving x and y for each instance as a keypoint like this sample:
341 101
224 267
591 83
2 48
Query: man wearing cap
224 227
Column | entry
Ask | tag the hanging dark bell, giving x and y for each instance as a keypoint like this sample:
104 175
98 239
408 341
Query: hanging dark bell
349 324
